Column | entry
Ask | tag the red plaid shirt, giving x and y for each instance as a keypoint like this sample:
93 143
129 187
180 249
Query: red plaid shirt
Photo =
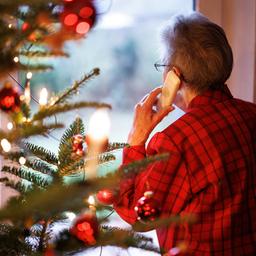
211 172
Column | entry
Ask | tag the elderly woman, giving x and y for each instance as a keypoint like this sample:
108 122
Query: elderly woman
211 169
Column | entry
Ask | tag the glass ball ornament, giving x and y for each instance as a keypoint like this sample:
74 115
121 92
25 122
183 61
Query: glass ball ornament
78 145
105 196
9 98
147 208
85 228
78 16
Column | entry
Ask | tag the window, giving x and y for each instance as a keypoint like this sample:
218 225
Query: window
124 45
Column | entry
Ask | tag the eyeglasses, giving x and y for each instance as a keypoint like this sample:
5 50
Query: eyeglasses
160 67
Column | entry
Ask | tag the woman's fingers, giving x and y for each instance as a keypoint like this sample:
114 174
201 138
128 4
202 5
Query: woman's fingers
144 98
151 99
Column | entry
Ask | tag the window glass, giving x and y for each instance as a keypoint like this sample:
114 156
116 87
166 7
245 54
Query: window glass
124 45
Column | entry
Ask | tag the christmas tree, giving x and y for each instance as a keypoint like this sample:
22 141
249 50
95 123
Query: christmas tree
55 187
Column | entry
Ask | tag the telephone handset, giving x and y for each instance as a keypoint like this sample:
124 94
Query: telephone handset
169 89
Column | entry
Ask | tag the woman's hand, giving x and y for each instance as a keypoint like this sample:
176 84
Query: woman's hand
146 118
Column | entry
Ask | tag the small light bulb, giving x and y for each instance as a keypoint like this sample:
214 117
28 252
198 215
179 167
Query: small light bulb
26 120
16 59
22 97
6 145
22 160
29 75
9 125
10 26
91 200
43 97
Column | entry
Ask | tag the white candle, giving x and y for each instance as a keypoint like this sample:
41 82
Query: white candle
97 139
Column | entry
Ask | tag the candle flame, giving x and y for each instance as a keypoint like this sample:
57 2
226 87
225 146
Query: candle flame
99 125
91 200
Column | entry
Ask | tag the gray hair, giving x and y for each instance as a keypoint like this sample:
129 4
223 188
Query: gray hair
200 49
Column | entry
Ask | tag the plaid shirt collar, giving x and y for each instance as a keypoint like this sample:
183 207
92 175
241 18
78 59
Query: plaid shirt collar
211 97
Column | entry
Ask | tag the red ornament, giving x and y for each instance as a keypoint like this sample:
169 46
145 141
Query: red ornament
105 196
78 16
85 228
147 208
49 252
25 26
77 145
9 98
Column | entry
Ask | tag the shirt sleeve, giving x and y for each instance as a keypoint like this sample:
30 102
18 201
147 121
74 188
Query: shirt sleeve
157 177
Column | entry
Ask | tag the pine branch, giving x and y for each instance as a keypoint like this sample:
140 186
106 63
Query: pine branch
116 145
42 54
136 166
28 130
66 156
35 68
74 88
50 202
39 179
11 242
45 203
108 236
77 127
18 186
14 155
36 229
25 109
106 158
42 239
73 167
49 110
41 166
125 238
13 5
41 153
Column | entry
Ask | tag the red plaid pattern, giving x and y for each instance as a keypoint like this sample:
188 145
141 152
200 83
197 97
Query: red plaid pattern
211 172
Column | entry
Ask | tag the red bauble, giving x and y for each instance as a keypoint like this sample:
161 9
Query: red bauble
77 144
105 196
49 252
147 208
25 26
78 16
85 228
9 98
